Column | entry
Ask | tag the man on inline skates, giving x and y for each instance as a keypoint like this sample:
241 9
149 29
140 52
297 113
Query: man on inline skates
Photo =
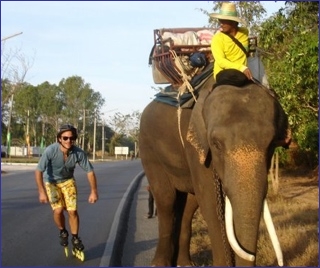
56 184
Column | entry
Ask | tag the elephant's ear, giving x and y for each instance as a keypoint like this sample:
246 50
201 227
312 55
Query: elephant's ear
197 131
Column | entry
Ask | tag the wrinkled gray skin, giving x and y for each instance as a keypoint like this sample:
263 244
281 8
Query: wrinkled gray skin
233 131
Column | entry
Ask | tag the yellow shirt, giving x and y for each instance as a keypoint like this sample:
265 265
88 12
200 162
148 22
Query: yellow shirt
227 54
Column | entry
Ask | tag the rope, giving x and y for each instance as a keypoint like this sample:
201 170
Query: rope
185 87
182 89
268 90
179 124
185 78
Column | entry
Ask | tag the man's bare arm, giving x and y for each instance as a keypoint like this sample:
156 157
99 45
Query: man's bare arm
93 197
43 197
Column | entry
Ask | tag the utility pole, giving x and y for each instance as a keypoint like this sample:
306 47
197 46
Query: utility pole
27 136
83 127
94 135
9 128
135 149
8 37
103 123
103 139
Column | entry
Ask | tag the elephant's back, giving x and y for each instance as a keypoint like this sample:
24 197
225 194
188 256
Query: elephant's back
161 119
161 128
152 116
156 109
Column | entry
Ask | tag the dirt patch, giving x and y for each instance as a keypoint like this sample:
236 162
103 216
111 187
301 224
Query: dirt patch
300 186
294 210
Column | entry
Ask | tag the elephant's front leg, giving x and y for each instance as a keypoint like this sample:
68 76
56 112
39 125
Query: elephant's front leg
165 213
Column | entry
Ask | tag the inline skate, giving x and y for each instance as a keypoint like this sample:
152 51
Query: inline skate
64 241
78 248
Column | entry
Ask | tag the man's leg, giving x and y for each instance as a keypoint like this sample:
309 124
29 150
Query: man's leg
74 227
69 193
56 201
70 198
59 218
74 221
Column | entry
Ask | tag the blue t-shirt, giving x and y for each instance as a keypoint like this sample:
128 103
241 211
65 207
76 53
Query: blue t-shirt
55 169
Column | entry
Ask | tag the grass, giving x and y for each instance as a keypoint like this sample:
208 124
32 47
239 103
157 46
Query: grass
295 215
19 160
200 247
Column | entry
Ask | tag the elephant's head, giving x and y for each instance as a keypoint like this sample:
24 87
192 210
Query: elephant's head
240 128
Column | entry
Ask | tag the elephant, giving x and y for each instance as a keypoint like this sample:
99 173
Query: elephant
215 155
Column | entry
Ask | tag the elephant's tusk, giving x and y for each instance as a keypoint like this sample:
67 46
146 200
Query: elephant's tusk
272 233
230 234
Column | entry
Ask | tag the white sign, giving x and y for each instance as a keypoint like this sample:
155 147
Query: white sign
121 150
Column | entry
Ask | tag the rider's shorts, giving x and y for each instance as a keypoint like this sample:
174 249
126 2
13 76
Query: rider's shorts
63 194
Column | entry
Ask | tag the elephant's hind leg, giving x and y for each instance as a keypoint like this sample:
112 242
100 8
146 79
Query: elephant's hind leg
184 258
164 196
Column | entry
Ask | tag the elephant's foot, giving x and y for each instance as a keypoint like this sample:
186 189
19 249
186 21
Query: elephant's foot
184 262
160 263
190 264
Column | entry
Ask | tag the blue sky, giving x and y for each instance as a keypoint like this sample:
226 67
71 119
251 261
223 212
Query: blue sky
107 43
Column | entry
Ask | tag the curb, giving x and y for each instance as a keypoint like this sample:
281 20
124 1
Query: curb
114 242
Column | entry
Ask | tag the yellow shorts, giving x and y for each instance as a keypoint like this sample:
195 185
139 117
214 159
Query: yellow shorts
63 194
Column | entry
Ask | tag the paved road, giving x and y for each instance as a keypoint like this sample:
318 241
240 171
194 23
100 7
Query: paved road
29 236
140 240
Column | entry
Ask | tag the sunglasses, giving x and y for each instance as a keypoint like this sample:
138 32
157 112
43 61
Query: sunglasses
65 138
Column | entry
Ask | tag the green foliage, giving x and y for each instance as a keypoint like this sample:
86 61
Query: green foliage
40 110
311 140
290 37
78 95
126 130
5 96
50 108
49 105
